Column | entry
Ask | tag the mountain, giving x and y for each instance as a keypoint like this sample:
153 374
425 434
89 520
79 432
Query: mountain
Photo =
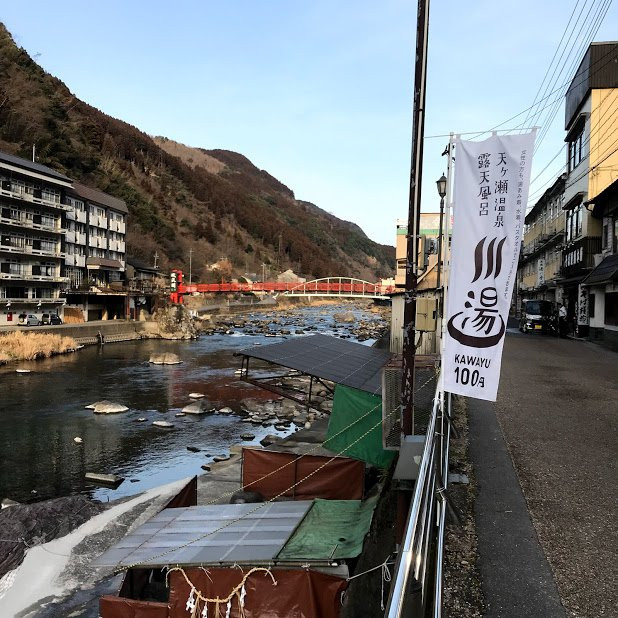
213 202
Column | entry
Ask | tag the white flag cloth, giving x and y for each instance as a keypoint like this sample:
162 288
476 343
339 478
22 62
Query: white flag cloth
490 197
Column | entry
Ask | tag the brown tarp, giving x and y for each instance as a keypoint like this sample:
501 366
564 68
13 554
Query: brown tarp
187 496
340 479
298 593
119 607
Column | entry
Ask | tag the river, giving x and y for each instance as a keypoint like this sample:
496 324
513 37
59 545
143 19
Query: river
43 411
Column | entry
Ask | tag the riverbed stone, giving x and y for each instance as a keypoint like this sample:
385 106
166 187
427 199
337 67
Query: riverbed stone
196 395
163 424
197 407
247 436
269 439
107 407
165 358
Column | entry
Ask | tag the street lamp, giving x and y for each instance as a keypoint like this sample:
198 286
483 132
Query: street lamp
441 184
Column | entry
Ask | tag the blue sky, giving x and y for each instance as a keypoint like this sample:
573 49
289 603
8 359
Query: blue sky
318 93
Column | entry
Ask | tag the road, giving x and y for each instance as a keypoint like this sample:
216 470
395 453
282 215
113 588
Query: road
557 417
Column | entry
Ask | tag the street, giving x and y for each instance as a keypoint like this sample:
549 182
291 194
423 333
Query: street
557 411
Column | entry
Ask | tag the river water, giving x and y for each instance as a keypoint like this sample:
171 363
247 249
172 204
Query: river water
43 411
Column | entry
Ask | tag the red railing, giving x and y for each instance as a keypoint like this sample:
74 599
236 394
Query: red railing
311 287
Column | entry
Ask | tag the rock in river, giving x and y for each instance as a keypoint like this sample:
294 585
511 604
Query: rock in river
166 358
107 407
269 439
197 407
164 424
196 395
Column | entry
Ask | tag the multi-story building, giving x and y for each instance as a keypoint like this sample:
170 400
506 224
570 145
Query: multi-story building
541 255
32 228
591 122
96 228
58 239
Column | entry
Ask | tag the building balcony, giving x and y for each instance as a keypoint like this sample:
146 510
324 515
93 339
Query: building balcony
31 225
10 300
76 215
35 198
75 260
578 256
31 277
27 250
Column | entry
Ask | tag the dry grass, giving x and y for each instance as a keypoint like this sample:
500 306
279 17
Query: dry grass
29 346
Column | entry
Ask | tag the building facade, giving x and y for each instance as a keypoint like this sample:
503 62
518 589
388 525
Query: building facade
591 123
602 283
99 248
33 213
541 256
59 240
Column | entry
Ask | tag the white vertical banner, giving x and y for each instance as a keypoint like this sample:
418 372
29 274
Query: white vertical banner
490 196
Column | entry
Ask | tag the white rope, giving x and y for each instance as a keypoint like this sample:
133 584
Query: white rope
386 576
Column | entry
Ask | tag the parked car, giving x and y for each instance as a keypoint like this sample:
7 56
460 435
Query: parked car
538 316
50 318
32 320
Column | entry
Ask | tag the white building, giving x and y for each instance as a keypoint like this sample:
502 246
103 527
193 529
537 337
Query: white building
32 229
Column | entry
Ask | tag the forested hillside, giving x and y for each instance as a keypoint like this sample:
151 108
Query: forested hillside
215 202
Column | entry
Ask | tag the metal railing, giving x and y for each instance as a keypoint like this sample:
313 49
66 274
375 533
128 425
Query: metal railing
417 582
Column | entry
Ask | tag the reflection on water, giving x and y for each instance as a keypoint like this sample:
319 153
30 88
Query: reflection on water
41 412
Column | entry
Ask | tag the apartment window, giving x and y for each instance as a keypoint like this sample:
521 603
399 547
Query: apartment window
574 223
51 195
575 149
48 221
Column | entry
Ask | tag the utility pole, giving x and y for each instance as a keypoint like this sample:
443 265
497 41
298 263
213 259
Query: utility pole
33 152
190 264
156 260
414 208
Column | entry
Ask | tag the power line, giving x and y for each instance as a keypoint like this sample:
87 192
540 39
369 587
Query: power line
610 52
601 122
554 78
593 29
552 60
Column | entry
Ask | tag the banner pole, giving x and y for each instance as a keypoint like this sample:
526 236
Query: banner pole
414 209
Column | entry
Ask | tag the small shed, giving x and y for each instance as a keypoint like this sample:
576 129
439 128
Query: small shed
275 559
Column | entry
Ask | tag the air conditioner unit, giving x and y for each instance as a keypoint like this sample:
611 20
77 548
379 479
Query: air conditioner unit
391 408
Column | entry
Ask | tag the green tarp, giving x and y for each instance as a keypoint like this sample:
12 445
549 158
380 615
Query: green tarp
332 529
361 413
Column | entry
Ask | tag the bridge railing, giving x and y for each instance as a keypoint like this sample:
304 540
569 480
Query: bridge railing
333 285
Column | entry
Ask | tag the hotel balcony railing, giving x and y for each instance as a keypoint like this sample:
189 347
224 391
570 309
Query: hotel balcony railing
29 197
28 223
26 275
27 250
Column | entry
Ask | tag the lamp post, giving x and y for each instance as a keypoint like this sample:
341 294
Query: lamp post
441 184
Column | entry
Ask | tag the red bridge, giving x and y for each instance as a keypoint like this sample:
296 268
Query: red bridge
330 286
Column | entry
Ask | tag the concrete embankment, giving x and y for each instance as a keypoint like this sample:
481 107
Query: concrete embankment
110 330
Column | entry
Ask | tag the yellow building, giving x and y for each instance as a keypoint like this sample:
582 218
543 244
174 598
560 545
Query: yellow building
591 122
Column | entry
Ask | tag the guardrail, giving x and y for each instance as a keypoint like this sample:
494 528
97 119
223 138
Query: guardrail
416 591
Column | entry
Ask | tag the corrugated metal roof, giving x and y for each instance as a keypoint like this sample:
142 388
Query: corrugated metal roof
256 538
330 358
605 272
99 197
31 166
